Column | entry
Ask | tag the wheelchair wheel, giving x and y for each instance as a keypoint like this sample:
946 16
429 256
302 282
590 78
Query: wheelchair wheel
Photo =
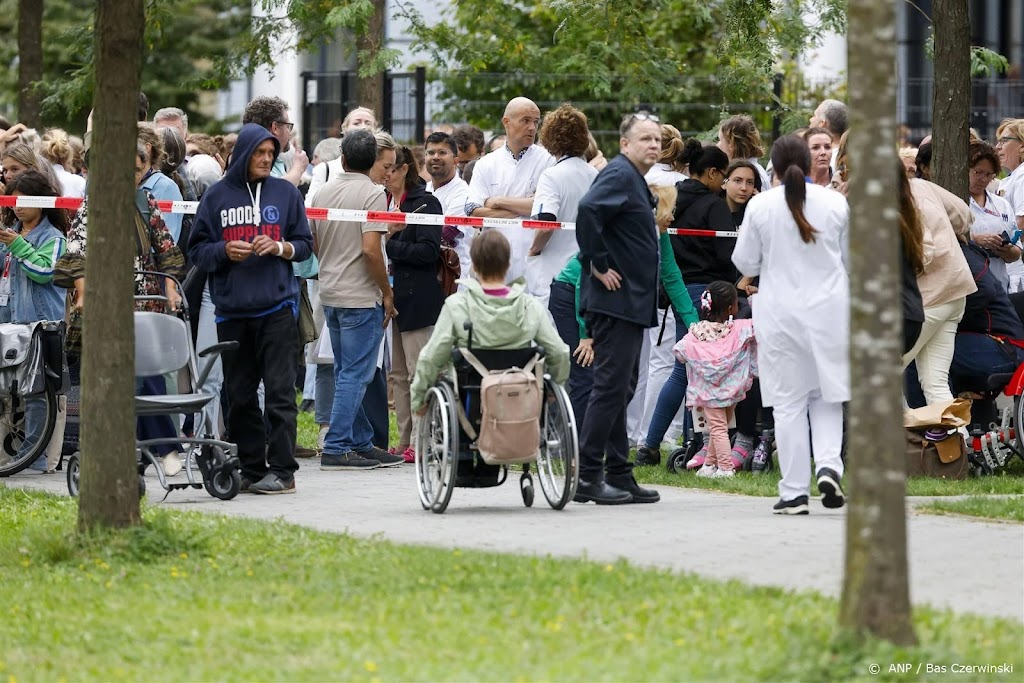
15 453
559 458
678 458
437 449
74 468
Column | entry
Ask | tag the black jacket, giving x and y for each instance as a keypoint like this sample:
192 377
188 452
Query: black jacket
988 310
414 252
703 260
615 229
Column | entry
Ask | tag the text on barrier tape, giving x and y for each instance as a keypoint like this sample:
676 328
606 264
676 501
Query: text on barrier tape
315 214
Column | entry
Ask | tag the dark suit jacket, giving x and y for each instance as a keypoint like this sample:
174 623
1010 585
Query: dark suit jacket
615 229
414 253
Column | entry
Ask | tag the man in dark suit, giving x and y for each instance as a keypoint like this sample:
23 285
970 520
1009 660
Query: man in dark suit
618 241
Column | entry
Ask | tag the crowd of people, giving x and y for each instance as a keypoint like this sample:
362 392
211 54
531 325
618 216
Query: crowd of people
648 328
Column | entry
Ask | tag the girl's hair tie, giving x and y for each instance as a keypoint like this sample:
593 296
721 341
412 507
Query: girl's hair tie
705 300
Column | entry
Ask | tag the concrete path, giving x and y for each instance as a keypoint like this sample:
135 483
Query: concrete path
962 564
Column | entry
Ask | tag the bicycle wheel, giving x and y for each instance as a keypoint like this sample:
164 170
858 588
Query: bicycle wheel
19 448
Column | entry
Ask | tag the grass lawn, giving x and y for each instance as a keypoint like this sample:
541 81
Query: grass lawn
1009 508
193 597
1008 481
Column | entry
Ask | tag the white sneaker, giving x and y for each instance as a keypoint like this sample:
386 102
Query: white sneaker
707 471
321 437
172 464
723 474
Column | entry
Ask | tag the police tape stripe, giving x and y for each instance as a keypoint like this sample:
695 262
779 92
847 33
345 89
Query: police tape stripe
74 203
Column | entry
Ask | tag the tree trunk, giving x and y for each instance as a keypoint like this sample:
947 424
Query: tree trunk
30 60
876 596
370 91
951 103
109 488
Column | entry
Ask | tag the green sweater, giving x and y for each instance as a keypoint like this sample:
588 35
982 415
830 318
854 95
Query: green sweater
509 322
671 278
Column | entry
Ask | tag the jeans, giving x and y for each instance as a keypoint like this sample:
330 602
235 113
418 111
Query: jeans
375 402
155 426
562 305
267 349
673 394
355 362
35 418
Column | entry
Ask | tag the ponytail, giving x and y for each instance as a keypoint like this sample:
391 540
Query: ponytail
792 158
796 195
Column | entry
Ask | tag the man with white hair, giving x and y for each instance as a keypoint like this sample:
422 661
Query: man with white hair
172 117
832 116
504 181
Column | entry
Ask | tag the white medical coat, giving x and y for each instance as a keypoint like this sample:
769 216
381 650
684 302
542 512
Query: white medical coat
802 308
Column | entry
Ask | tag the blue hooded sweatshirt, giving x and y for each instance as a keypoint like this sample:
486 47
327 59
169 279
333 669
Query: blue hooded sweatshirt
259 285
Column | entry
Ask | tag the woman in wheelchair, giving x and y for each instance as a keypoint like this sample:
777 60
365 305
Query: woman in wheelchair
503 317
28 251
989 339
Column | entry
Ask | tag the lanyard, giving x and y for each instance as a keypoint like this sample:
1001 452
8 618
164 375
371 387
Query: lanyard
257 216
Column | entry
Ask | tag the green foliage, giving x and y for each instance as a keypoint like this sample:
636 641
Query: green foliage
191 46
984 62
689 59
196 597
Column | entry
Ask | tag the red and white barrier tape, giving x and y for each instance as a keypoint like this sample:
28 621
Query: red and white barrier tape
73 203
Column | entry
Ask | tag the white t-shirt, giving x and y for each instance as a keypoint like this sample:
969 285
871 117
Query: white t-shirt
500 174
766 183
559 191
453 196
1012 190
996 217
662 174
321 173
74 185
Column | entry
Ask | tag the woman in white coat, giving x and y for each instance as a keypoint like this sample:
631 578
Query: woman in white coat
794 237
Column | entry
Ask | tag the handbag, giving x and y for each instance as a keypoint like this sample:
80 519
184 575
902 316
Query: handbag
449 269
307 328
936 453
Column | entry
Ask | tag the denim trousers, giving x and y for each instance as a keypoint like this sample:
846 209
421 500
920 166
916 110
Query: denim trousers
356 334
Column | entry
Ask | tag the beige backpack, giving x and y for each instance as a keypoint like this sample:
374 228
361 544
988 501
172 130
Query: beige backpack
510 412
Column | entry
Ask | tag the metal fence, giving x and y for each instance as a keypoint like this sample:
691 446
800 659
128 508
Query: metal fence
417 102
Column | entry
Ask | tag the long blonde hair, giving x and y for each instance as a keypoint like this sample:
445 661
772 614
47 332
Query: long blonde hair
666 196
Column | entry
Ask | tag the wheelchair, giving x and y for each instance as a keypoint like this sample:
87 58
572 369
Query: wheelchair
163 344
990 447
446 458
28 350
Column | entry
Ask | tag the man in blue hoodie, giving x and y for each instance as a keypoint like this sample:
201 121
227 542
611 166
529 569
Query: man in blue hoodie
248 230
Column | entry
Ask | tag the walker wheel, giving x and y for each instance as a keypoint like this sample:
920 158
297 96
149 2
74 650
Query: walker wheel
74 475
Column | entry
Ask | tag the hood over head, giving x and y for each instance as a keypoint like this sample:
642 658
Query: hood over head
249 138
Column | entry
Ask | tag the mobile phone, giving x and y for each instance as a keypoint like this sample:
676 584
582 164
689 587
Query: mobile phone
1005 237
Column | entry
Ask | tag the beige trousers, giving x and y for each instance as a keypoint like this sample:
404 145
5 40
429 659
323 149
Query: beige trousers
405 351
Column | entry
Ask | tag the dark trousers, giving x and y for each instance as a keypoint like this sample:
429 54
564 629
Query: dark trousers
155 426
266 351
375 405
562 305
603 443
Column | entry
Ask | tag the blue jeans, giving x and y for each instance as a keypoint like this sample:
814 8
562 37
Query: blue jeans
562 305
355 361
35 419
673 394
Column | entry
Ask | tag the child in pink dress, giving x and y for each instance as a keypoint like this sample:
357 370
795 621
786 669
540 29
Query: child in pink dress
721 362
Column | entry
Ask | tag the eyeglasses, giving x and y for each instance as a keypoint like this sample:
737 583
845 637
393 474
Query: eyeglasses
982 174
287 125
641 116
1007 138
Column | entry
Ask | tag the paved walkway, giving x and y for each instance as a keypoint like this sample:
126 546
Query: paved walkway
962 564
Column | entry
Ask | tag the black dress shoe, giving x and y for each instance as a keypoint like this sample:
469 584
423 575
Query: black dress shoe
601 493
627 482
